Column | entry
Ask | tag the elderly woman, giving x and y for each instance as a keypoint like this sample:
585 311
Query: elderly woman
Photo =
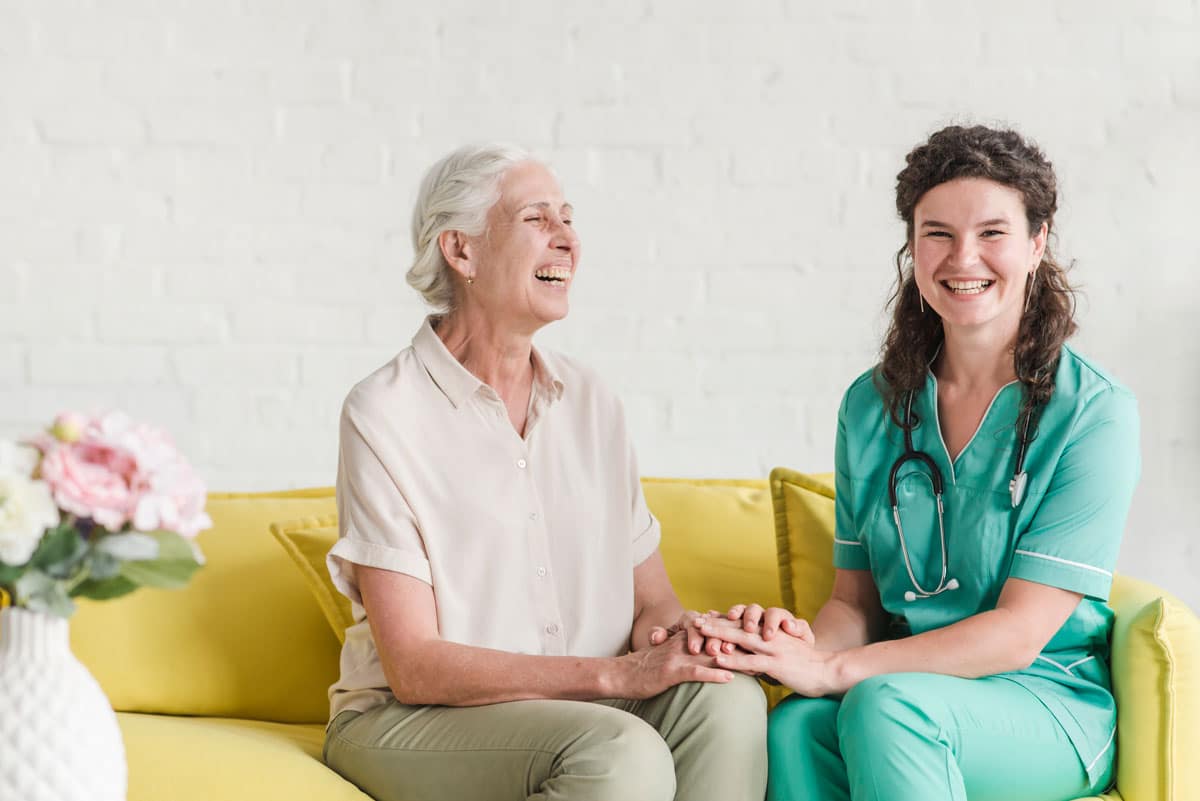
516 634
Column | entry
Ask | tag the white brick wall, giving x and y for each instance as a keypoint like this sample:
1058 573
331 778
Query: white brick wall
204 206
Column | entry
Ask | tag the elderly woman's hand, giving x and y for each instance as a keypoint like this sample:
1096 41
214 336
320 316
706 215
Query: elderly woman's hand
650 671
687 623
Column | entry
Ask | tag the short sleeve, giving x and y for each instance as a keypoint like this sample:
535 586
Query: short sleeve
1075 534
376 525
848 552
646 531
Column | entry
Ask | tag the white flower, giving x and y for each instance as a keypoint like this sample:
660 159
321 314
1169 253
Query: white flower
17 460
26 510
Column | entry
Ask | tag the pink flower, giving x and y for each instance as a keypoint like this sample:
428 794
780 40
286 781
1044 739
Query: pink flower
173 500
91 479
117 472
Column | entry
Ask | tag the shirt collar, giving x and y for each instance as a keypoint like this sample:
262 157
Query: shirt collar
457 383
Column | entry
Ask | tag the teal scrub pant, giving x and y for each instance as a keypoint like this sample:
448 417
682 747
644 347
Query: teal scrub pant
906 736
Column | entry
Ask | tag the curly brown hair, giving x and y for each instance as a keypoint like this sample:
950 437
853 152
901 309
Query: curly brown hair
915 335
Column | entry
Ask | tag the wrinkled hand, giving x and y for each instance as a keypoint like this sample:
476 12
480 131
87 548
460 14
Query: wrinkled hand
650 671
789 658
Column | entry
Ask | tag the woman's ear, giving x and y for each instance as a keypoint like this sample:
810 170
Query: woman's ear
457 251
1039 244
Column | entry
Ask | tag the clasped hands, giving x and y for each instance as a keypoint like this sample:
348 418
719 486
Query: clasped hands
759 642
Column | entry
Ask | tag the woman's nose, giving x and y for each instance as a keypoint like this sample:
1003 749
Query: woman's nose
565 237
965 252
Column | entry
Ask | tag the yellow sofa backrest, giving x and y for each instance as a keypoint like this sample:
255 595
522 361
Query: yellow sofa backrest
243 639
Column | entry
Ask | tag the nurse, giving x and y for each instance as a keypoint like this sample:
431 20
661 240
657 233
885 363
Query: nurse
984 474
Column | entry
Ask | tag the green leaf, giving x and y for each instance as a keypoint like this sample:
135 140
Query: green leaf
42 593
175 564
131 546
9 573
102 565
59 552
104 589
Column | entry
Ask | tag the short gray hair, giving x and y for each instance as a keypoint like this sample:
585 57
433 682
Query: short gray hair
455 195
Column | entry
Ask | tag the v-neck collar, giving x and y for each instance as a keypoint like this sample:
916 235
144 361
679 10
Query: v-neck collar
931 384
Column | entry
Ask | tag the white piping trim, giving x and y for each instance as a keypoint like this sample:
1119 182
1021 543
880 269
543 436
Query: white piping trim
1102 750
836 541
937 424
1064 561
1057 665
1080 661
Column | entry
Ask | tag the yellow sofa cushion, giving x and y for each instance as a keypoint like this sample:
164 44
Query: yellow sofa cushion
243 639
804 522
307 542
717 541
1156 681
203 759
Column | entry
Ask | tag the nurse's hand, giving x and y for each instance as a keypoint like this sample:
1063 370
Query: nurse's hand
753 618
790 659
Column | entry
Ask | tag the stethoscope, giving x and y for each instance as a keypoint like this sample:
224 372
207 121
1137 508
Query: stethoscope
1016 490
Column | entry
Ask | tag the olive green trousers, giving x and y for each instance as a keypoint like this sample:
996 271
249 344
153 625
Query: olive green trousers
694 742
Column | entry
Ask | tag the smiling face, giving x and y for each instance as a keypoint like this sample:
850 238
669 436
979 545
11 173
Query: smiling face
523 264
972 255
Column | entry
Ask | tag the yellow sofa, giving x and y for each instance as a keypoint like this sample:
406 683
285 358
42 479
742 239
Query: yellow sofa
220 688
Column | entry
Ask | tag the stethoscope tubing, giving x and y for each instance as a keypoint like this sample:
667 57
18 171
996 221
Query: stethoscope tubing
1016 488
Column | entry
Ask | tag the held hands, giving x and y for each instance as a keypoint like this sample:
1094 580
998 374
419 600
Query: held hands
687 623
672 661
770 642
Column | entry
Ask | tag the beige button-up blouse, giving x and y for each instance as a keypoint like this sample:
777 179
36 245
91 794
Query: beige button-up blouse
529 544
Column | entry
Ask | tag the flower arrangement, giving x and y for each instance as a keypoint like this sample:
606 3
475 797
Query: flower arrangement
95 507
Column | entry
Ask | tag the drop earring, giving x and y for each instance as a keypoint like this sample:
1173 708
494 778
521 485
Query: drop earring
921 301
470 279
1029 290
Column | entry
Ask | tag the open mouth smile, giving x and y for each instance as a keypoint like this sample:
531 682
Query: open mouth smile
966 287
553 275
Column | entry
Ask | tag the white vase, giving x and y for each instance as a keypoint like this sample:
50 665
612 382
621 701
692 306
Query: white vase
59 739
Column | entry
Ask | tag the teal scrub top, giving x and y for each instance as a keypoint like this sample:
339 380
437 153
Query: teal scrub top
1082 463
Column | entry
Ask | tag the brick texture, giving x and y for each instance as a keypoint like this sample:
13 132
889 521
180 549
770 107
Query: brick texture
204 207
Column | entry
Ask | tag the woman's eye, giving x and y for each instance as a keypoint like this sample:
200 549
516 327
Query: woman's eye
992 233
533 219
568 222
938 234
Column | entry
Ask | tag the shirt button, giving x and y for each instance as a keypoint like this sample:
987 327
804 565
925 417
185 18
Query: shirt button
552 629
521 463
541 571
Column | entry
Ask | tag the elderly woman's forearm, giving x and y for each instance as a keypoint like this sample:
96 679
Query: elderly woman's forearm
451 674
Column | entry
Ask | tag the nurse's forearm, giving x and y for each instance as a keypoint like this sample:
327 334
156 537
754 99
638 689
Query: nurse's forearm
981 645
841 625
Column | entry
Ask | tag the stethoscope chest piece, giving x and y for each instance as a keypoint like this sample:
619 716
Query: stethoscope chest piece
1016 488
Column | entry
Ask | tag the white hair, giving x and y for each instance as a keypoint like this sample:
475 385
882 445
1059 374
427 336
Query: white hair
455 195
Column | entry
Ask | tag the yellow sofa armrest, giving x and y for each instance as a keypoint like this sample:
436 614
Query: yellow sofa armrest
1156 681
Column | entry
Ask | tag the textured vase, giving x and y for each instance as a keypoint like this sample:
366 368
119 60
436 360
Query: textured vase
59 739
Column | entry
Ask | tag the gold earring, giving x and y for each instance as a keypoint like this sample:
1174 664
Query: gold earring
470 279
921 301
1029 289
